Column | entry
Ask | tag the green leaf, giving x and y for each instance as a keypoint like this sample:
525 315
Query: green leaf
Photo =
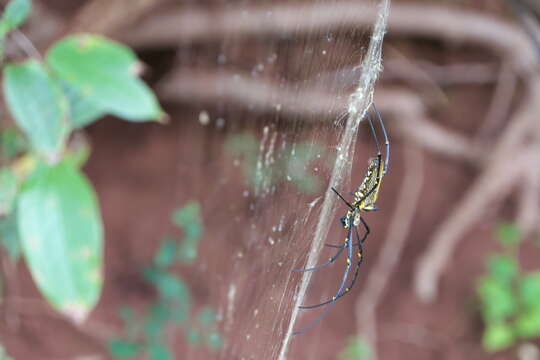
103 74
38 106
187 251
3 354
356 349
166 253
151 274
123 349
82 111
497 336
8 190
297 166
158 315
207 317
9 237
15 13
214 341
61 233
498 302
527 324
172 287
193 336
189 219
307 183
508 234
529 289
159 352
503 268
173 291
132 327
188 215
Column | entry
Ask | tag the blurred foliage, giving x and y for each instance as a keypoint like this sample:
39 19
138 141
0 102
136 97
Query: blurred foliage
356 349
3 354
49 212
147 333
509 296
99 77
61 237
8 184
188 219
508 234
289 163
15 14
38 106
9 236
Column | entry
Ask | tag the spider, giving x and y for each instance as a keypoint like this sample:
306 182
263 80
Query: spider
364 200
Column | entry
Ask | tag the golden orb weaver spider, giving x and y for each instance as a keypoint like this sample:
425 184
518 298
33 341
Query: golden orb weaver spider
364 200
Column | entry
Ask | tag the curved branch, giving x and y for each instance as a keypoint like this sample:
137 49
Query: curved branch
505 169
107 16
188 25
407 110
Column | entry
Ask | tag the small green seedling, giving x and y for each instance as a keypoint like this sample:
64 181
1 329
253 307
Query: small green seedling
173 309
509 297
356 349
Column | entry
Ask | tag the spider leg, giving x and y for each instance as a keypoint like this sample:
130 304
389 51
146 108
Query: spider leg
366 227
335 246
386 141
330 261
333 258
342 198
340 246
340 290
360 254
358 263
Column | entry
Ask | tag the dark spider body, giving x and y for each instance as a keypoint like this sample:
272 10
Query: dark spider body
367 193
364 200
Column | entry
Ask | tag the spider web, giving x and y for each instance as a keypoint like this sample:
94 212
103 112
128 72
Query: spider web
282 89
